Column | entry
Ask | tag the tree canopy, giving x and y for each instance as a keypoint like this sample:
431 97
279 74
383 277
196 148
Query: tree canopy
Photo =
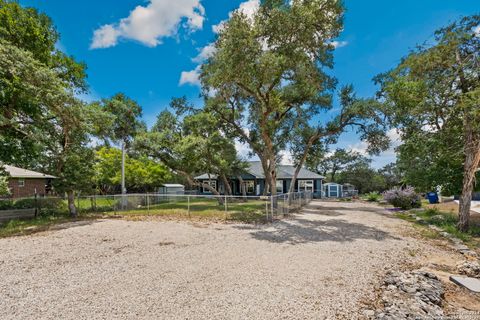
190 143
434 94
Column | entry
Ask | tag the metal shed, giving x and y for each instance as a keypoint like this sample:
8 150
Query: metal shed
332 190
172 188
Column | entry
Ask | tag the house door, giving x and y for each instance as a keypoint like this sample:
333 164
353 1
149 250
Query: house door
333 191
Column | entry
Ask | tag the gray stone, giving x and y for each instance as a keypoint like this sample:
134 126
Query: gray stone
461 247
471 284
438 217
411 295
469 268
369 313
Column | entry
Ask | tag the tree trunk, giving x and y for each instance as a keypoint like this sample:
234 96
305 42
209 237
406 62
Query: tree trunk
228 189
472 161
334 172
266 172
242 187
300 163
71 204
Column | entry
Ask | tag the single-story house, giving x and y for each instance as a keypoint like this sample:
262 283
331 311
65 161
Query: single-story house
26 183
254 181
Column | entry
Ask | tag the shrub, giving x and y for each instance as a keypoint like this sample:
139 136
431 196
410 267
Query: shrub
404 199
27 203
52 206
6 204
373 196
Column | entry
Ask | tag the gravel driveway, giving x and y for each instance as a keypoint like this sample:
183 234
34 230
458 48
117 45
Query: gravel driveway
320 264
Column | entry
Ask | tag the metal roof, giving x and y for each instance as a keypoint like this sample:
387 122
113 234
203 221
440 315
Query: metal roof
206 176
283 172
173 185
16 172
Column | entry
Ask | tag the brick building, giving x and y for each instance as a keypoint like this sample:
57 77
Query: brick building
25 183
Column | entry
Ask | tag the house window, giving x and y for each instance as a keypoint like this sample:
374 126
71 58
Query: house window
305 185
279 186
211 183
21 183
249 186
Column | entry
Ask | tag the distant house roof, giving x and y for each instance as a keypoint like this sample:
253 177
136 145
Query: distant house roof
206 176
283 172
16 172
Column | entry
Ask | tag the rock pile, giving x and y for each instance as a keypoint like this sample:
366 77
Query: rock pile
411 295
469 268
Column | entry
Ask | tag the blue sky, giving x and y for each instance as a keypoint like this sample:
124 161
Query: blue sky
144 54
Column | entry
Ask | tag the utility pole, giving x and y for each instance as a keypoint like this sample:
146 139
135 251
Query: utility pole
124 190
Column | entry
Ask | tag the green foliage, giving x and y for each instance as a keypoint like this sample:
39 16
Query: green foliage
373 196
141 174
269 71
35 81
363 177
6 204
190 145
429 96
4 189
340 160
124 122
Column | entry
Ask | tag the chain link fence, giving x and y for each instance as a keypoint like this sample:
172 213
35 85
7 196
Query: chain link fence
241 208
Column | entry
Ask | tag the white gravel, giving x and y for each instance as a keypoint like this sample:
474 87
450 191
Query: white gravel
319 265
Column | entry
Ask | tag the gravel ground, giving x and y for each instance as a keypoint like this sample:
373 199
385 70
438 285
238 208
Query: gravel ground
320 264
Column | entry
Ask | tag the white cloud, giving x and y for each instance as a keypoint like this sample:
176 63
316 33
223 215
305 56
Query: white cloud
360 147
149 24
476 30
205 53
286 157
191 77
339 44
248 8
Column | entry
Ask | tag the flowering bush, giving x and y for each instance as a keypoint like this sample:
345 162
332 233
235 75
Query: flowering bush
404 199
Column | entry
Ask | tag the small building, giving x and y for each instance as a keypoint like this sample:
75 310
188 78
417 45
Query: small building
332 190
172 188
25 183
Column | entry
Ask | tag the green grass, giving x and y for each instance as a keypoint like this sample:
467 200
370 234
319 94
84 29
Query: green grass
251 211
22 227
445 221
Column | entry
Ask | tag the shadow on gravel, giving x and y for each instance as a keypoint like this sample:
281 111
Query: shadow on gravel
301 231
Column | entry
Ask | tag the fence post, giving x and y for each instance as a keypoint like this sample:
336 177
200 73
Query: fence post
148 204
36 205
226 205
266 209
271 204
188 205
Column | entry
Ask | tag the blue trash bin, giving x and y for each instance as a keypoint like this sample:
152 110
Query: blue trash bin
432 197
